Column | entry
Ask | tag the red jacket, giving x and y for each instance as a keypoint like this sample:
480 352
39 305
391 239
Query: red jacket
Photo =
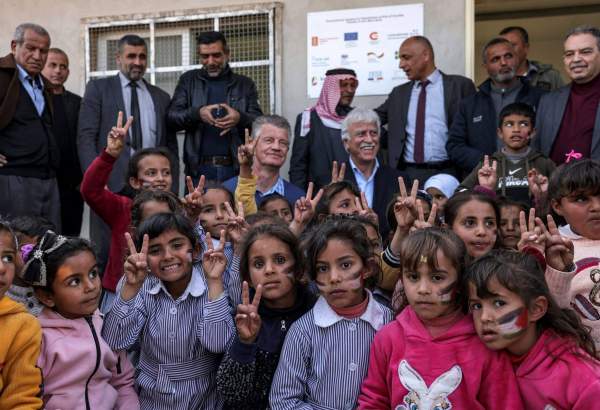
410 369
555 374
114 209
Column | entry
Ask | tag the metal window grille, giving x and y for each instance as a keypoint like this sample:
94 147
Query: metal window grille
172 50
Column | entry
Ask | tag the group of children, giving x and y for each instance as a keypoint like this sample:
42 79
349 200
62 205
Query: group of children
473 302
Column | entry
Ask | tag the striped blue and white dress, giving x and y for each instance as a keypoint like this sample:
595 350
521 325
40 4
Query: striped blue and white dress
181 342
325 358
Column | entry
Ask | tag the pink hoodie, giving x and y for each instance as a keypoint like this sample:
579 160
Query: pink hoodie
555 374
77 364
410 369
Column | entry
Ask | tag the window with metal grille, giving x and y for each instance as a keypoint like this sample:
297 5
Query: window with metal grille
171 39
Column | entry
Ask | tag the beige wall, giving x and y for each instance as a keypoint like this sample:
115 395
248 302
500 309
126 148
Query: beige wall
546 36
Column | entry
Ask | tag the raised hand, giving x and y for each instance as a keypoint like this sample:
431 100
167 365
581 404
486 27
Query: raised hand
117 135
487 175
214 263
405 208
247 319
135 268
192 202
538 183
421 222
363 208
304 208
532 232
337 175
246 151
236 225
559 250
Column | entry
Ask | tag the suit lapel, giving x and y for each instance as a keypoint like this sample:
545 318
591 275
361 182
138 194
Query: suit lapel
596 134
405 101
118 93
447 95
557 115
158 109
379 190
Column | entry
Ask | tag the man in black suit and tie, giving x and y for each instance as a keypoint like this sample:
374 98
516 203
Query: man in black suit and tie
128 92
66 113
360 134
420 112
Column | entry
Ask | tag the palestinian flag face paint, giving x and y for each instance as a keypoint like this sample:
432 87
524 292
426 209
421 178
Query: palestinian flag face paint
513 323
447 294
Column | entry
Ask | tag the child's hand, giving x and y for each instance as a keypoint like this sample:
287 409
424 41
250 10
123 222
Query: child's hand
116 137
237 227
363 208
247 319
559 251
538 183
487 176
532 232
337 176
304 208
214 263
421 223
405 208
135 269
193 201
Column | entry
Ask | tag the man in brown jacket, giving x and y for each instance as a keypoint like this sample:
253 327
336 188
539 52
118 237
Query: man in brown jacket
29 155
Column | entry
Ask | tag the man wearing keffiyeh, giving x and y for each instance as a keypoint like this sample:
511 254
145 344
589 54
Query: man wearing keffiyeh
317 135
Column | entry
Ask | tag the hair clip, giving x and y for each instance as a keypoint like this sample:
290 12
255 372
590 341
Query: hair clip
38 254
423 259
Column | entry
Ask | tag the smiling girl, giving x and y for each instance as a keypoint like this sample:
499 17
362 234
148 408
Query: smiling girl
79 368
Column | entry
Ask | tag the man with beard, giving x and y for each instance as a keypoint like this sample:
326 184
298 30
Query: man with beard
66 112
128 92
569 118
473 132
213 105
317 135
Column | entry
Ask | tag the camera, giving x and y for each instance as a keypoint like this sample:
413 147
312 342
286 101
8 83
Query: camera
218 112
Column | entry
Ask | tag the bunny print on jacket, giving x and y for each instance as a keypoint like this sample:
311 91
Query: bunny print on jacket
421 397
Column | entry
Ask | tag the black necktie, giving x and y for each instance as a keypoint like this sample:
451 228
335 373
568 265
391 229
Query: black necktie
419 153
136 127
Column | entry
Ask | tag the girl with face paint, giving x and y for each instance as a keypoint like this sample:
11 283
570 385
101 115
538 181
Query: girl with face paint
79 368
273 298
326 351
553 354
430 356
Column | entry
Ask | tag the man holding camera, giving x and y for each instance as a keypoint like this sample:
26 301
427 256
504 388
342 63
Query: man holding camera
214 106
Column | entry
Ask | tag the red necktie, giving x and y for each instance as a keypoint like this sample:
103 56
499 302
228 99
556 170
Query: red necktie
419 154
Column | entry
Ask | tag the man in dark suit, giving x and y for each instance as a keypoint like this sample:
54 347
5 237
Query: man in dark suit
360 134
66 113
29 155
568 119
420 112
128 92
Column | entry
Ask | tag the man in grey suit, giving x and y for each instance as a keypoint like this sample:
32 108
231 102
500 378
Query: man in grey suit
568 119
103 99
420 112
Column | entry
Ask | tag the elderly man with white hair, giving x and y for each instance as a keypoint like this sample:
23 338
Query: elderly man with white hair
360 134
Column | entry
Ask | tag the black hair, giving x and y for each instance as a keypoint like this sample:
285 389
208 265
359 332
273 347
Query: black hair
505 202
144 196
218 187
459 199
6 226
53 259
346 229
517 108
265 200
210 37
278 231
522 32
264 218
131 40
30 225
573 178
521 274
332 190
134 161
160 223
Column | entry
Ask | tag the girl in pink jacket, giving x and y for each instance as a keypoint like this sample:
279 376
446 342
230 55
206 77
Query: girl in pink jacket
552 353
430 357
80 370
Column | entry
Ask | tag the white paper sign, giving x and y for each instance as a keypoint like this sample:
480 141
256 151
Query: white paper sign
365 40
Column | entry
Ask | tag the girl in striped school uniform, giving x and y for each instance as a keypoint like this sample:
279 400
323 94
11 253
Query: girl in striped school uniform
430 357
325 354
175 312
553 354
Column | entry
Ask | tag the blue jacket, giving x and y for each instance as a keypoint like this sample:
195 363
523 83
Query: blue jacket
291 192
473 132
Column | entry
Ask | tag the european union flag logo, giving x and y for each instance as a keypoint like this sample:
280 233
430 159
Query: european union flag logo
351 36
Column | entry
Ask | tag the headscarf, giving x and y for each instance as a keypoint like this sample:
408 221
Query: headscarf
444 182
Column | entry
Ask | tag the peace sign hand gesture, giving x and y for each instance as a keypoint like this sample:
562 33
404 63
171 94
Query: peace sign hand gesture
246 151
214 263
532 232
304 208
193 201
405 209
135 269
560 252
421 222
247 319
363 208
538 184
237 225
337 175
117 135
487 175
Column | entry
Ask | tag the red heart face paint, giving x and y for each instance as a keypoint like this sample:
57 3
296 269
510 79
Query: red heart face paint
448 294
513 323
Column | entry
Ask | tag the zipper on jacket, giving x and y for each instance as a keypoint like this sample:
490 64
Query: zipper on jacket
97 341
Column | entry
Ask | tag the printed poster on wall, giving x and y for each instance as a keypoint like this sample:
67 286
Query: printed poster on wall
365 40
